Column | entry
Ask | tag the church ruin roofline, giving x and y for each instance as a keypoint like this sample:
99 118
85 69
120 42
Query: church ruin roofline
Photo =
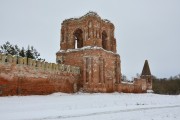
90 13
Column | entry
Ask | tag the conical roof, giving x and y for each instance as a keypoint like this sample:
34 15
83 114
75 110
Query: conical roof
146 69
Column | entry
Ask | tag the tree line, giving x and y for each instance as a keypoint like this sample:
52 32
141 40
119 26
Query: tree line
169 86
30 52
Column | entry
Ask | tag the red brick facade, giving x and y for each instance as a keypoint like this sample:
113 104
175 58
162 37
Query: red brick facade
35 77
100 69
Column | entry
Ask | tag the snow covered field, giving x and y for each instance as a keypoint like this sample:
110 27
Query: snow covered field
85 106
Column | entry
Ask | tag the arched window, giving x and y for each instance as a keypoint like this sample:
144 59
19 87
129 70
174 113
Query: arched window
78 38
104 39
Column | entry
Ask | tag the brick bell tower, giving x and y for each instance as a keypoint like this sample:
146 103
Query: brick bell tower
88 42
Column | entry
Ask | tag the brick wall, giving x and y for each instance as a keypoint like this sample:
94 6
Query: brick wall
137 86
18 77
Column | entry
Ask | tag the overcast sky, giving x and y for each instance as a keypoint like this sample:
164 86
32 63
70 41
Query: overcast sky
144 29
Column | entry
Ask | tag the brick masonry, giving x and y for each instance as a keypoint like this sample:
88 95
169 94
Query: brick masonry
100 69
23 78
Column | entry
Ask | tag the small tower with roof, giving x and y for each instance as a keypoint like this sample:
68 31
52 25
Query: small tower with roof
146 74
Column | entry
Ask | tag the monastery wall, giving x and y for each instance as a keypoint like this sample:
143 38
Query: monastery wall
137 86
22 76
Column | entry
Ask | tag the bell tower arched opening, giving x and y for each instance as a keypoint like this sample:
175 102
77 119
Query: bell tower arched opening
104 39
78 38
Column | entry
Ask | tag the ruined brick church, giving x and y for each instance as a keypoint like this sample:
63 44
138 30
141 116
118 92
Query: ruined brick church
87 61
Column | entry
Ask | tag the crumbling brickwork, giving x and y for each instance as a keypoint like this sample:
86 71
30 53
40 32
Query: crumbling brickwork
136 86
100 69
87 61
88 30
88 42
